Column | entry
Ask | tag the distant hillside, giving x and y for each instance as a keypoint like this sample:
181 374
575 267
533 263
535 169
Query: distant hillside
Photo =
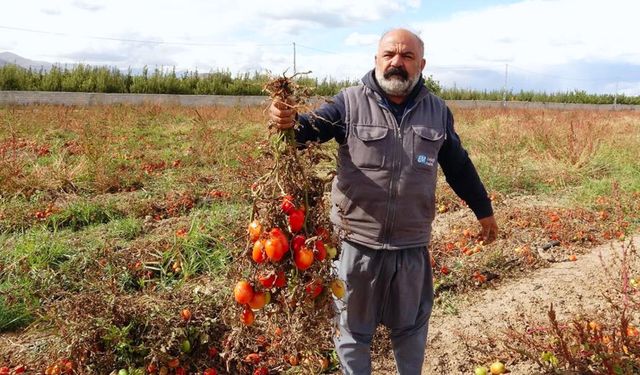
12 58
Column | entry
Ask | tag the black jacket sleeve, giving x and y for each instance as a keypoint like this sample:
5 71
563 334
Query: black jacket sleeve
461 174
323 124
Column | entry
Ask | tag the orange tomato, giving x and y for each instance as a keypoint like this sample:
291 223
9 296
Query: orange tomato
293 360
273 249
252 358
303 258
278 233
257 253
247 317
185 314
259 300
243 292
255 230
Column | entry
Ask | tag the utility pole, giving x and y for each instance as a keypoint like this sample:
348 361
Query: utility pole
294 58
504 88
615 97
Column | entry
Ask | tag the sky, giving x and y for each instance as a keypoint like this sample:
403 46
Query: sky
541 45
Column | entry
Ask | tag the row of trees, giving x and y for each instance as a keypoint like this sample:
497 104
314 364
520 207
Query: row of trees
85 78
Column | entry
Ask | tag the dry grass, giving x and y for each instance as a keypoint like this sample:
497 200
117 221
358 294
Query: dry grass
114 219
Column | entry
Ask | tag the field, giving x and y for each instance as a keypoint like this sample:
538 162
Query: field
114 220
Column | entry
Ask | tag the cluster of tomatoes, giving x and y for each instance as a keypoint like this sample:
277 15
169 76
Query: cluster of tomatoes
277 251
5 370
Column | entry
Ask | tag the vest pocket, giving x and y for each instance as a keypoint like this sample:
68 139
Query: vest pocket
426 144
369 146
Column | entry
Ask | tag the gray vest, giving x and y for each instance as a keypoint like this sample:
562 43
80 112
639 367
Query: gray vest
383 195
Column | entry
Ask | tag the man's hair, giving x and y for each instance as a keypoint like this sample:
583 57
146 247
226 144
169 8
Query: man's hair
420 42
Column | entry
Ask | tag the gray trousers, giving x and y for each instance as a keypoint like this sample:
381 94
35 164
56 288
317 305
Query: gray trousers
392 287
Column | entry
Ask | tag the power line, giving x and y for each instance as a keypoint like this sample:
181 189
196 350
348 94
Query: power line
181 43
317 49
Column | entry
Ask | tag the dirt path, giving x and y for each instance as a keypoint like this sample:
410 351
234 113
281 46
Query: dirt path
572 287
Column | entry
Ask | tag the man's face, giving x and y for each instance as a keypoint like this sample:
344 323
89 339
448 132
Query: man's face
399 62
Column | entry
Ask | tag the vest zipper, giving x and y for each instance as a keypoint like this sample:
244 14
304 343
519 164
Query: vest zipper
395 174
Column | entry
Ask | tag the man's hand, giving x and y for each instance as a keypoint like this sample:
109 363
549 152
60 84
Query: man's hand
282 115
489 229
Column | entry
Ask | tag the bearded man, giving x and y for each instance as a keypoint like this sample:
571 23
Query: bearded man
392 132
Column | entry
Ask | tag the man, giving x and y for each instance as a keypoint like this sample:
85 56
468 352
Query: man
391 131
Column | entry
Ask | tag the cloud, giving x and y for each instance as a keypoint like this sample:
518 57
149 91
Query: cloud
335 13
535 33
125 54
88 5
542 41
51 11
358 39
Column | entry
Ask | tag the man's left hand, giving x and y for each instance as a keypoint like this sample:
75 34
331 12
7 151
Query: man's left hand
489 229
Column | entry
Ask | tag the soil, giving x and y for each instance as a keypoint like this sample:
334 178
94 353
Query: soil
572 287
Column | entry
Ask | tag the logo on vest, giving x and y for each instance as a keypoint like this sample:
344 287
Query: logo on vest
425 160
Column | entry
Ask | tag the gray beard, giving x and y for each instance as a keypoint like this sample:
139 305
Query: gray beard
395 86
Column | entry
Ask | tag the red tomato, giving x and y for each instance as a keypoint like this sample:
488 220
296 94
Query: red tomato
152 368
4 370
213 352
181 371
210 371
287 204
323 233
281 280
297 242
267 280
261 371
321 252
173 363
296 220
314 288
